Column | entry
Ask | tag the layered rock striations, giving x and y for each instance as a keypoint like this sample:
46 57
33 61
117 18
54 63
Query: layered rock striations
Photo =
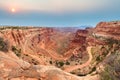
108 29
50 53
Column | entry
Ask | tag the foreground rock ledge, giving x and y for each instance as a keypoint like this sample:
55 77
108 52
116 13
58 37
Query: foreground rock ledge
43 73
16 69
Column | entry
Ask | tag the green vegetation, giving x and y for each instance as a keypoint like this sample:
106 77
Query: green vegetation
3 45
12 27
67 63
93 69
111 41
59 64
99 59
112 68
16 51
105 75
50 62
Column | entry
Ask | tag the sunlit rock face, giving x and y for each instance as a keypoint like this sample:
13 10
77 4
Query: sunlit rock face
13 68
110 29
50 53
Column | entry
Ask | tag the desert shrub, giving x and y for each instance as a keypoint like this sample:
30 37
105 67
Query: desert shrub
13 27
93 69
98 58
105 75
59 64
3 45
112 41
16 51
112 69
50 62
67 63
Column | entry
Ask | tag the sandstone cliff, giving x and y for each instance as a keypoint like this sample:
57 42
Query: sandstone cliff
51 53
110 29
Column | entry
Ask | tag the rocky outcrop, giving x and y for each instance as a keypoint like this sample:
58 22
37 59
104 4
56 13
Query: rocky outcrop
91 41
108 29
49 44
16 69
17 37
80 37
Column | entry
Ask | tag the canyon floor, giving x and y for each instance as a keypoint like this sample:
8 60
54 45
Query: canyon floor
39 53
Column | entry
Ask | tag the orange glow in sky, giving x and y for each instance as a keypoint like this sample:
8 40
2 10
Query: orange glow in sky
13 10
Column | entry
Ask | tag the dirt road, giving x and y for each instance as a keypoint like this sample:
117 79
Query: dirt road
71 68
56 56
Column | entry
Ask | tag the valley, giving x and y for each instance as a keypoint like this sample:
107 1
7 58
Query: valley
43 53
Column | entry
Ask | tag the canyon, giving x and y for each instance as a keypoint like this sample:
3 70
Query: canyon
44 53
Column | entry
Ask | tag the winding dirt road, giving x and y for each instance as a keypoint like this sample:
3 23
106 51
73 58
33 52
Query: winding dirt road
71 68
56 56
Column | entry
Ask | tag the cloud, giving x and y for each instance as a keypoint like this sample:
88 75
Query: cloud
58 6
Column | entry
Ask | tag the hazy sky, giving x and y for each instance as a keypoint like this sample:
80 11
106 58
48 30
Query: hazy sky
58 12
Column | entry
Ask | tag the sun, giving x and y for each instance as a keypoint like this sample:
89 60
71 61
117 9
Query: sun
13 10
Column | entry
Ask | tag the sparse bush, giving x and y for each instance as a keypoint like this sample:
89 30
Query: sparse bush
50 62
105 75
112 69
59 64
16 51
67 63
98 58
93 69
13 27
3 45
